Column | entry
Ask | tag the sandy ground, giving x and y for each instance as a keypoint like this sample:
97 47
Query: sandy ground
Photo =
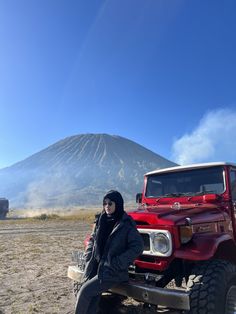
34 256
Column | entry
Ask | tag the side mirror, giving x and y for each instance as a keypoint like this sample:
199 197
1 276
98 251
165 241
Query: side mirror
139 198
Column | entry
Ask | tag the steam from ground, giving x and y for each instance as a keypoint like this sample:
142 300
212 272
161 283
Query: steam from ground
212 140
61 212
28 213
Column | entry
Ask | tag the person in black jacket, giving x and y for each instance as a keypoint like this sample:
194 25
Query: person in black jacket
113 246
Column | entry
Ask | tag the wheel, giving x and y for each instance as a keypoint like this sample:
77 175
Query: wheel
3 215
230 304
110 303
150 307
212 287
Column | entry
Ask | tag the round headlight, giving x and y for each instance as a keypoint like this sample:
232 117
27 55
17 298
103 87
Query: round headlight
161 243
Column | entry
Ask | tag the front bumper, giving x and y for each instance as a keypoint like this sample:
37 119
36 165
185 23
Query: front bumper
170 298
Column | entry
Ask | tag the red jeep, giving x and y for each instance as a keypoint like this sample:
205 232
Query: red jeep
187 218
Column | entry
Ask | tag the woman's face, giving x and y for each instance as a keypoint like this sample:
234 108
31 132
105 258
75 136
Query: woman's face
109 206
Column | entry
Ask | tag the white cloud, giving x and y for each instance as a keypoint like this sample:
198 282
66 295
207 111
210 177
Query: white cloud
214 139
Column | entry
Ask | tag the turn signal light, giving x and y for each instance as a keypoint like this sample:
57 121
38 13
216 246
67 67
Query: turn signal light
186 234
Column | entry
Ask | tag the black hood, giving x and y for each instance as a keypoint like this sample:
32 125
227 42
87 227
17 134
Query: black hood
116 197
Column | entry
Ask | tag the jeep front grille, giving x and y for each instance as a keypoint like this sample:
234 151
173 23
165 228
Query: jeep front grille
146 241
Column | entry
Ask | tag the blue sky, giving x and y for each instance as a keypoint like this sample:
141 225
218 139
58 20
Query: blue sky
161 73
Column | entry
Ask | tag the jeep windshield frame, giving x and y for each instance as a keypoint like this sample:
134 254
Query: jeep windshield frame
191 182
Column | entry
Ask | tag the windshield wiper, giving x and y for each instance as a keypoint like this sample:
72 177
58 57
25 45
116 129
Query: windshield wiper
173 195
205 192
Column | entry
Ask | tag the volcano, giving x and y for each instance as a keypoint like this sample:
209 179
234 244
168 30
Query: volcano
78 170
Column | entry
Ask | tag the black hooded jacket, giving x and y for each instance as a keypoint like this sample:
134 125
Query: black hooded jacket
123 246
107 222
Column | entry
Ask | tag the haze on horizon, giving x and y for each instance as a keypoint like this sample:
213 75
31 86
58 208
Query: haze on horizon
156 72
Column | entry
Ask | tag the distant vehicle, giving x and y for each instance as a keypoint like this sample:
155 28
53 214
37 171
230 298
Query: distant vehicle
4 207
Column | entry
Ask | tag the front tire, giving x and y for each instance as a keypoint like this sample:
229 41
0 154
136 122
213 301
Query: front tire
212 287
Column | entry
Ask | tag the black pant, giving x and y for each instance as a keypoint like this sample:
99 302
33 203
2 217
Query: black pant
89 295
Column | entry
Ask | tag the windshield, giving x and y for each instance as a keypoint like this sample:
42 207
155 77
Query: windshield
189 182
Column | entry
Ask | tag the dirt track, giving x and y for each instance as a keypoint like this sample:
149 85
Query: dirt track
34 257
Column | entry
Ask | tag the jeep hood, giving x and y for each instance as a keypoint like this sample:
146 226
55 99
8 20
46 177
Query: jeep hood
167 215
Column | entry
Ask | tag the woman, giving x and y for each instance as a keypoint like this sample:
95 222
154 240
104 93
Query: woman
113 246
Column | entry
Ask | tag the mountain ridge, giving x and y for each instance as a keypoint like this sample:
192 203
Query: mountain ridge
79 169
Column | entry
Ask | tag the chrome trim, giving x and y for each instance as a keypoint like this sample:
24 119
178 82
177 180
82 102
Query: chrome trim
224 180
152 233
170 298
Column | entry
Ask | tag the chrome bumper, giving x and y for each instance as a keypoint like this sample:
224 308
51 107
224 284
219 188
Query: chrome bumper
170 298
